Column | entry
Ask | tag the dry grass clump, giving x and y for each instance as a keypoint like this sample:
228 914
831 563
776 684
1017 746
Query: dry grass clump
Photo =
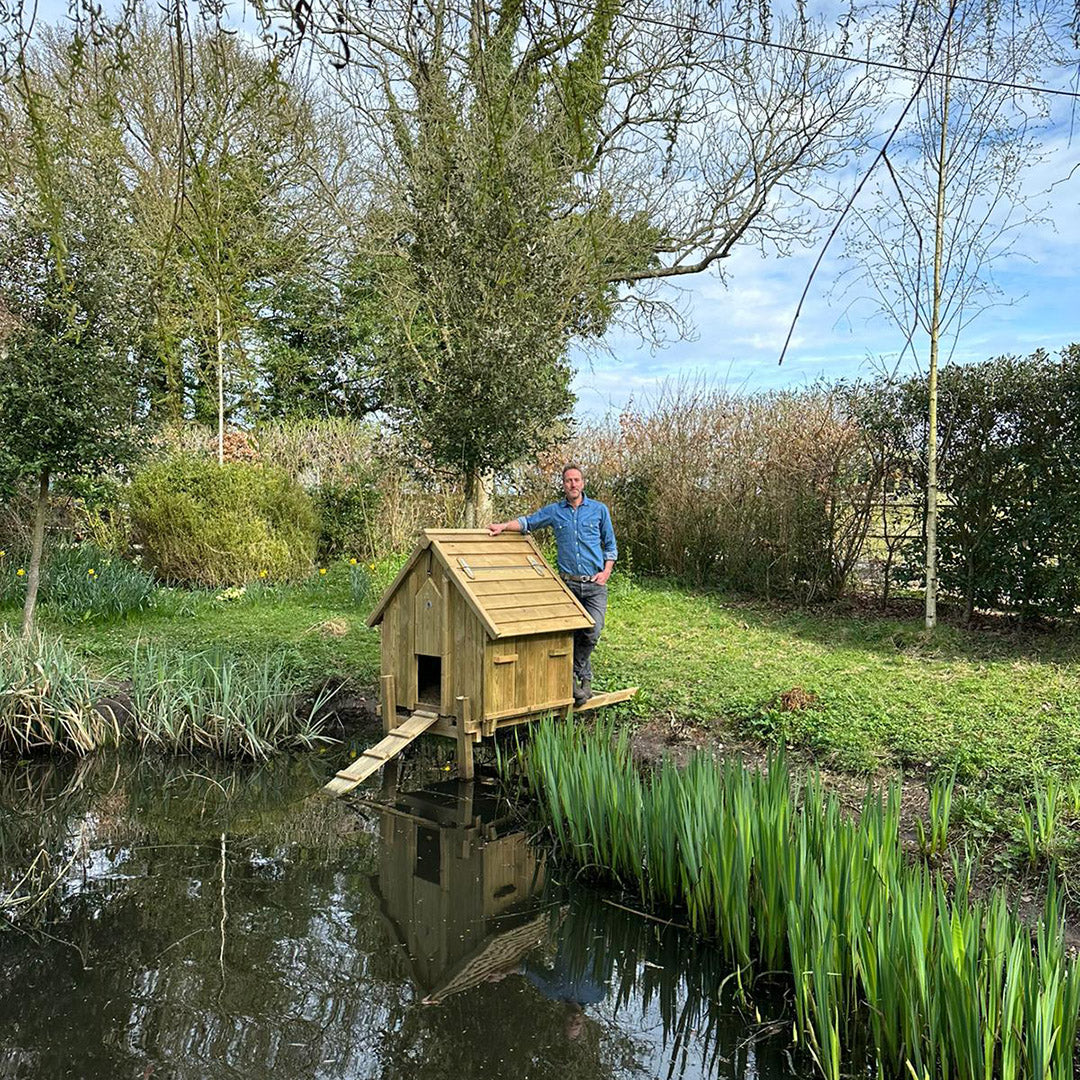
768 493
46 698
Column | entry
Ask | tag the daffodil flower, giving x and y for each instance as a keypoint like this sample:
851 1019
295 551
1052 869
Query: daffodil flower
20 572
322 570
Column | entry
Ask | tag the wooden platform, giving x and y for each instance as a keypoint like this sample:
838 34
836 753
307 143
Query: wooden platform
598 701
389 747
426 718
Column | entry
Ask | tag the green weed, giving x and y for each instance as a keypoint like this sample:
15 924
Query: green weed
933 841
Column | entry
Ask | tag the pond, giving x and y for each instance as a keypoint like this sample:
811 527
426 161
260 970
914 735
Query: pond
209 921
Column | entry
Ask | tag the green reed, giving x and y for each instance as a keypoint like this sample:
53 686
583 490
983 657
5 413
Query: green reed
46 697
934 840
946 984
234 705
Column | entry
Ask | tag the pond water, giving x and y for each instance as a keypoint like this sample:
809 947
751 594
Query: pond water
207 921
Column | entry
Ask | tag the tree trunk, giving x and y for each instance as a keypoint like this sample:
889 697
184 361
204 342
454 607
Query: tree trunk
478 487
935 334
220 381
33 573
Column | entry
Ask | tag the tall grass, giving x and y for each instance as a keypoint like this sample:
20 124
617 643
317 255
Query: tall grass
80 582
46 698
84 582
235 705
946 984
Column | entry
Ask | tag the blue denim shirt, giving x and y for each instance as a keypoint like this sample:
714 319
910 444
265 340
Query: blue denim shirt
584 537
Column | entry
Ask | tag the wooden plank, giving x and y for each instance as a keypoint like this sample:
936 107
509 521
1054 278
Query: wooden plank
542 626
388 697
428 619
376 615
490 587
531 713
492 563
598 701
500 684
560 666
495 545
503 571
568 617
370 761
502 602
447 691
506 658
438 534
465 742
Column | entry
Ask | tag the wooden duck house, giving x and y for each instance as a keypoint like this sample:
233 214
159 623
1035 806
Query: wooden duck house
477 633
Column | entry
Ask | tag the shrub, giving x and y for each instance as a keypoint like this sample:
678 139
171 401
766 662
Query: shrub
46 697
200 523
348 512
763 492
1009 468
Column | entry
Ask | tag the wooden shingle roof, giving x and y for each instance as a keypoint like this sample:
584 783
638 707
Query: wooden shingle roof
505 580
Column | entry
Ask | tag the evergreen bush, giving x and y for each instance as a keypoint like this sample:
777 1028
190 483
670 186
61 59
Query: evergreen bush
200 523
348 514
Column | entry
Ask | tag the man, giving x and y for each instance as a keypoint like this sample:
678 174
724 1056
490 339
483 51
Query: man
586 555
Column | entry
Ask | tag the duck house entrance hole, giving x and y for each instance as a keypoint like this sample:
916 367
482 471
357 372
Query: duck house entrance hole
429 679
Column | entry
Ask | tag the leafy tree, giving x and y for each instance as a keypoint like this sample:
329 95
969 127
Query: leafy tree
70 287
535 170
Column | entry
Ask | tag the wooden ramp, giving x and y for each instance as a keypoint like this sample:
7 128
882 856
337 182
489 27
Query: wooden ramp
598 701
389 747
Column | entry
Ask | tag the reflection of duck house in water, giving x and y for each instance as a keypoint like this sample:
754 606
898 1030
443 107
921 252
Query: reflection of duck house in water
477 634
452 886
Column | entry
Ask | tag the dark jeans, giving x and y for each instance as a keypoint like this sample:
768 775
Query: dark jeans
593 599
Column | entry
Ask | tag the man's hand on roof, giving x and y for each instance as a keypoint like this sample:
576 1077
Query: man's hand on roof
494 529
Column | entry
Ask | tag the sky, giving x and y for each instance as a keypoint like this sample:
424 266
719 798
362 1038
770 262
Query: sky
740 324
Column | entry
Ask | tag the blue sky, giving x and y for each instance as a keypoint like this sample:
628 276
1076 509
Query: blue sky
741 325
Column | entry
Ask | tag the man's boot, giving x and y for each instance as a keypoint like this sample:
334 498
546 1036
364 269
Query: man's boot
582 692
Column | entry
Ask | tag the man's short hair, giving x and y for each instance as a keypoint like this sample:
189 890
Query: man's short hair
572 465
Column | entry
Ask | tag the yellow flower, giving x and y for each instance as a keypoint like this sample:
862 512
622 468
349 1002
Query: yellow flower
264 573
91 571
322 569
352 562
20 572
2 554
371 566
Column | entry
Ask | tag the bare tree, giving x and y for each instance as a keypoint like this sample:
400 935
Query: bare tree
950 200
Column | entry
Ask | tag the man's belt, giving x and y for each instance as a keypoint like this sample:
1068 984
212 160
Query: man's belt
577 577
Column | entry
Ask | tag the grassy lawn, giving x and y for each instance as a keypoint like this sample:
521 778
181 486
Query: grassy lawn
869 690
995 704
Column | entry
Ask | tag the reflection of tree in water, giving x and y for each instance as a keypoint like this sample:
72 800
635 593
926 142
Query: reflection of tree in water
149 966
